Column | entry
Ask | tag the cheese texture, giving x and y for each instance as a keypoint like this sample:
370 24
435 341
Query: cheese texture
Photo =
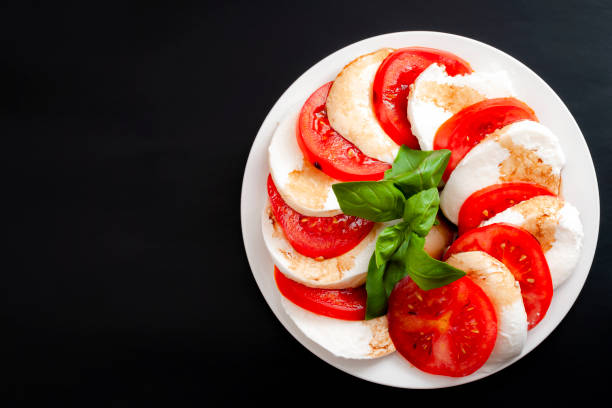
556 225
504 291
350 107
364 339
304 188
525 151
435 97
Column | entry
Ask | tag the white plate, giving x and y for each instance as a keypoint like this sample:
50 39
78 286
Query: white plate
579 188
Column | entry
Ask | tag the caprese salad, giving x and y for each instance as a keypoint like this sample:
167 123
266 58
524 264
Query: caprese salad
414 205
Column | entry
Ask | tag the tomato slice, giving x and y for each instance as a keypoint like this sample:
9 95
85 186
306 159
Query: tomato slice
392 86
485 203
521 253
327 150
315 237
469 126
345 304
446 331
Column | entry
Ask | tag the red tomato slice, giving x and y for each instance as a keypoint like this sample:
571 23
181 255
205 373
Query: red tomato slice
446 331
345 304
485 203
392 86
327 150
466 128
316 237
521 253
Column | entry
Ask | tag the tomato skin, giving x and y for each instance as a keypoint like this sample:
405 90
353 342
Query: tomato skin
469 126
315 237
523 256
327 150
491 200
344 304
446 331
392 86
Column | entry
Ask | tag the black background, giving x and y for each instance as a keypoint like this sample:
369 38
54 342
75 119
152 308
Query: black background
126 130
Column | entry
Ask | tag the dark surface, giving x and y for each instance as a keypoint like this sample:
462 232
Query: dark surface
128 129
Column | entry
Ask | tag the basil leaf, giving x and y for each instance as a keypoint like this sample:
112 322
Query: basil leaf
381 280
420 211
388 241
410 259
416 170
398 261
426 272
399 248
376 303
373 200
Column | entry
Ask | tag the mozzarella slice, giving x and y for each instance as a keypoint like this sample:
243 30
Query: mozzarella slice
435 97
362 339
439 238
503 290
522 151
304 188
348 270
350 108
557 226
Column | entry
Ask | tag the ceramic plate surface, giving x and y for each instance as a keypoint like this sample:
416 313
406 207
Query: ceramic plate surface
579 188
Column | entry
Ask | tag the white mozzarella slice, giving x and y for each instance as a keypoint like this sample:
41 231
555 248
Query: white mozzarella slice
557 226
304 188
522 151
350 107
348 270
362 339
439 238
435 97
503 290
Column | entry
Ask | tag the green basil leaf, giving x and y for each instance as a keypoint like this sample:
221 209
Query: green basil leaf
417 170
396 269
420 211
376 303
399 249
388 241
410 259
381 280
426 272
373 200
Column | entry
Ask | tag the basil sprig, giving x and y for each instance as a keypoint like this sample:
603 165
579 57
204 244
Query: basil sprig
416 170
400 252
421 209
412 171
409 191
373 200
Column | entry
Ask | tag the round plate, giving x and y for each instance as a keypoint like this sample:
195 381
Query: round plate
579 188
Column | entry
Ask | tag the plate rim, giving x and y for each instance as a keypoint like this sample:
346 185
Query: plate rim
251 158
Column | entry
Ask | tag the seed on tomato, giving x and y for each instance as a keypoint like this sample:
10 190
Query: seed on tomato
392 86
469 126
345 304
491 200
446 331
327 150
317 237
523 256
